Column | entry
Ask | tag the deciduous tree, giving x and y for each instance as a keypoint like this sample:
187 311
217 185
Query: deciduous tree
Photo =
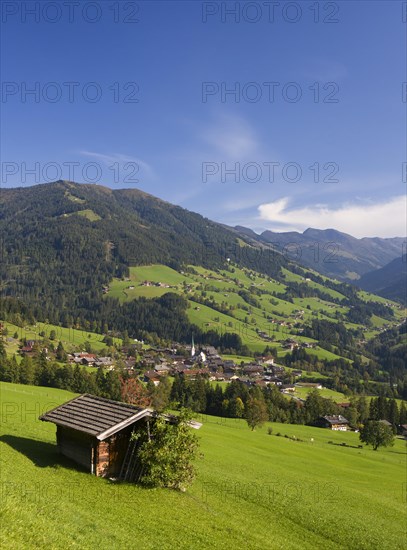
377 434
256 413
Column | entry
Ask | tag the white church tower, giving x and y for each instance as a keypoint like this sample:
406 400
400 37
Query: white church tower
193 347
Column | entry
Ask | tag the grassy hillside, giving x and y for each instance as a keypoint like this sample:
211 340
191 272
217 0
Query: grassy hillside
253 490
70 338
225 310
67 241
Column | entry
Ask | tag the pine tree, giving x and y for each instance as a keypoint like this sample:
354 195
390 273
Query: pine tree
363 409
382 408
60 353
373 410
403 413
393 414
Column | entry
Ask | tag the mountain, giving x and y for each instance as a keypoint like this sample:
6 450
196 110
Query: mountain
331 252
62 242
389 281
125 262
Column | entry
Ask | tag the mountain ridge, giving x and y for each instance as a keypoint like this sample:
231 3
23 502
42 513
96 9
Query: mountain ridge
389 281
332 252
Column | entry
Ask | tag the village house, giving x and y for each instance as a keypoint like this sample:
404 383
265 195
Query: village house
268 360
229 366
290 344
296 373
217 377
193 373
277 370
82 358
210 351
96 433
130 363
335 422
162 369
26 350
274 380
287 388
253 370
215 363
106 362
152 376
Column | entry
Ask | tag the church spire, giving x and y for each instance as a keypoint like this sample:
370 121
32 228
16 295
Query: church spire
192 347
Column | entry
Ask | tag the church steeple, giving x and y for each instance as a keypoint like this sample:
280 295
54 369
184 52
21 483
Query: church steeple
192 347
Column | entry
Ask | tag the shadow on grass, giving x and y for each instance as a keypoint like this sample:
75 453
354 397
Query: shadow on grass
345 445
41 453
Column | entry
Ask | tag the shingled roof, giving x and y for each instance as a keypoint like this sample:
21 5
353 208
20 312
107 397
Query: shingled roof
336 419
96 416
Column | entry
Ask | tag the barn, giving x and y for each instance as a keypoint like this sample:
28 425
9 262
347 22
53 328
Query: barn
96 433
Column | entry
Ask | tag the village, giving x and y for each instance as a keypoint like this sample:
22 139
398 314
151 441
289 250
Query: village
151 364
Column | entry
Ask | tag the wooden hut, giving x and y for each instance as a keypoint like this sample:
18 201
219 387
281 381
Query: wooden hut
96 433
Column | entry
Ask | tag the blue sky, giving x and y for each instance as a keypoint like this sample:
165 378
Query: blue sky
313 135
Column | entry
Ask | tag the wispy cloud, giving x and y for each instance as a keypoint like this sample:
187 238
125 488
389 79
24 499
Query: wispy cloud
384 219
231 138
121 159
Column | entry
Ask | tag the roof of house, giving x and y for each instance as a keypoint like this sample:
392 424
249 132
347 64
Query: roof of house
100 417
96 416
336 419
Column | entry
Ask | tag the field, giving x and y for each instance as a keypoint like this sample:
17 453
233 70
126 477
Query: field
303 392
253 490
245 319
70 338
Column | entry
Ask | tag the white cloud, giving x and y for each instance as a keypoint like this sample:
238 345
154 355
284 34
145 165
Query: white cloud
385 219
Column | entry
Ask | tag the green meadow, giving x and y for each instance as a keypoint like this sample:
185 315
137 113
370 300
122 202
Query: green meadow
253 490
303 392
70 338
245 319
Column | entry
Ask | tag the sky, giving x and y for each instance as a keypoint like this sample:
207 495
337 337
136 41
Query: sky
270 115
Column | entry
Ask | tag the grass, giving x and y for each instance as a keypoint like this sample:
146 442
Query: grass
253 490
70 338
305 374
238 358
223 286
324 392
88 214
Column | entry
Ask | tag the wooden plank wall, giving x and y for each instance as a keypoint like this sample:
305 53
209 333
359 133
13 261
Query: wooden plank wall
75 445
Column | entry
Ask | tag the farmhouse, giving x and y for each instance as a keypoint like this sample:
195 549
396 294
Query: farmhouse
95 433
336 422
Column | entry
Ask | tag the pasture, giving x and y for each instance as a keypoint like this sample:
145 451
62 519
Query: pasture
246 319
253 490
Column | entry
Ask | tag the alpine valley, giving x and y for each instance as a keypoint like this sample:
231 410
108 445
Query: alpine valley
124 263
